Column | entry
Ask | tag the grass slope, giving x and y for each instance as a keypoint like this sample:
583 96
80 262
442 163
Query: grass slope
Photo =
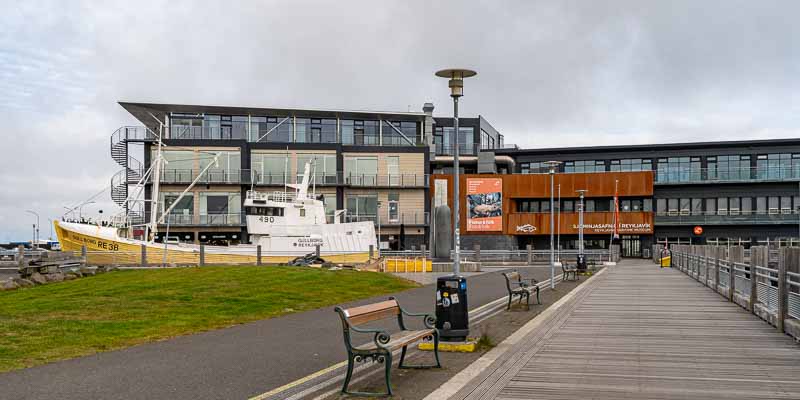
124 308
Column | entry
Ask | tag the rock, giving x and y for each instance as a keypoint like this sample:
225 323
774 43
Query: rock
71 275
86 271
9 285
24 282
38 278
55 277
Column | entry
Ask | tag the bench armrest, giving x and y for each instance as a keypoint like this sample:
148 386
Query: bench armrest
381 337
428 319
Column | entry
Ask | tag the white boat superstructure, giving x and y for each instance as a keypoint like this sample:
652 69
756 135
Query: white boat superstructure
296 222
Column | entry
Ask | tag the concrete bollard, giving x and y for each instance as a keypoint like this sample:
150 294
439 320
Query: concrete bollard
83 254
258 255
529 248
477 248
316 251
202 255
144 256
21 257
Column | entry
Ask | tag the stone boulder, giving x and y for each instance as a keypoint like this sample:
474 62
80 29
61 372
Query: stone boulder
70 276
55 277
86 271
38 278
24 282
8 285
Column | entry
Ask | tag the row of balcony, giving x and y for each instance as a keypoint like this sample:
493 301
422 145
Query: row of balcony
748 174
247 177
239 219
728 217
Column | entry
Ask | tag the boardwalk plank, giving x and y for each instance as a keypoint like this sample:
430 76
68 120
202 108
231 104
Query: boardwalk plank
641 332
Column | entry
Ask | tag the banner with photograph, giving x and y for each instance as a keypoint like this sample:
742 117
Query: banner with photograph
484 204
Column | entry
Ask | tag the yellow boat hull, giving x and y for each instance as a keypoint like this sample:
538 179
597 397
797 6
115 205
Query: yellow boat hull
103 250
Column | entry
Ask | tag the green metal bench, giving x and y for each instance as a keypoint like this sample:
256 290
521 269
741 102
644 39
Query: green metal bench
567 271
383 344
519 287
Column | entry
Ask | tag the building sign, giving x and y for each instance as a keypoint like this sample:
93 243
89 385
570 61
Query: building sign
527 228
609 228
484 204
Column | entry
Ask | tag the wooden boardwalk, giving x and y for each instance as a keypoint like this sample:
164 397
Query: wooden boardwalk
640 332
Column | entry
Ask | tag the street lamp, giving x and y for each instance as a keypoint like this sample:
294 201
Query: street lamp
452 318
456 83
36 228
581 257
553 165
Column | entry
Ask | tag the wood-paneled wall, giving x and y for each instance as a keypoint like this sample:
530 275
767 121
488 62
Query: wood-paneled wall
532 186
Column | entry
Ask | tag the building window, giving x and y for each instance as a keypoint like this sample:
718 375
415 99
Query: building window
279 128
360 132
361 170
581 166
323 167
394 207
445 143
538 167
362 207
269 169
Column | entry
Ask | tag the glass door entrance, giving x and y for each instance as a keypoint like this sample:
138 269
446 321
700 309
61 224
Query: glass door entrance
631 246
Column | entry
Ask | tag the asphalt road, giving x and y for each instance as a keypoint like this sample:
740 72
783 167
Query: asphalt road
232 363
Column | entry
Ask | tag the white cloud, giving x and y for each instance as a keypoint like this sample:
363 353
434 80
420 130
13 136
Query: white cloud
550 73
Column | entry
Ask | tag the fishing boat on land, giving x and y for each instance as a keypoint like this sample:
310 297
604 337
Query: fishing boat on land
283 224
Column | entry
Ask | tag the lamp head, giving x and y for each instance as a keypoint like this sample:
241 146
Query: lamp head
456 79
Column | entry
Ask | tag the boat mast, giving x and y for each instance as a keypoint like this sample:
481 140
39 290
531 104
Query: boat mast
156 181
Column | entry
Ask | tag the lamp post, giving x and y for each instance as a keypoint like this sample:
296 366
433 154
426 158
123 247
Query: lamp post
452 317
35 229
558 229
553 165
581 258
456 83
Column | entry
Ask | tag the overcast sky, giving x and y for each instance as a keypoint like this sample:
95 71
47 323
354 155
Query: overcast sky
550 73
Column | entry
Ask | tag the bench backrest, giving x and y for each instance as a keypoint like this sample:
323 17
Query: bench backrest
512 276
370 312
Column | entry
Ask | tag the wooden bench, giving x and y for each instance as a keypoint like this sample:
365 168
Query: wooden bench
519 287
383 344
567 271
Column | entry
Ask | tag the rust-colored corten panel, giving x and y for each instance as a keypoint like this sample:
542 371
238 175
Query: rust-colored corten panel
595 223
531 186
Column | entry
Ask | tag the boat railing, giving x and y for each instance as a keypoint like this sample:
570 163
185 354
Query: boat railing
283 197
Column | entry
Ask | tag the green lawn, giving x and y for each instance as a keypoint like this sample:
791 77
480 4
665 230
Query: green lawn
124 308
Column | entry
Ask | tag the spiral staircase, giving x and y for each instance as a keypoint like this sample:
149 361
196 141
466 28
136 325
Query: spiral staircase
130 174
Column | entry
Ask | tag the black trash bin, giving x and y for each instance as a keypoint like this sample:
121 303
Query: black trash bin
581 263
452 319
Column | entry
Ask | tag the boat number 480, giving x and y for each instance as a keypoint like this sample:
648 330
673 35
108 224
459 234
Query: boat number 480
268 220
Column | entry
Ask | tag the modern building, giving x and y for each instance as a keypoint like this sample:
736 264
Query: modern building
375 165
732 192
394 167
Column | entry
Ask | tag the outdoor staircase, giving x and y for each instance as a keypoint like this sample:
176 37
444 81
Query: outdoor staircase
132 169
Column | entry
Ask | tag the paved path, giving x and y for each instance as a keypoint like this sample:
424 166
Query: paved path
637 332
233 363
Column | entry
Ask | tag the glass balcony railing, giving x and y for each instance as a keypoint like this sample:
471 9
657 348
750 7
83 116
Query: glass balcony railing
186 176
247 177
703 175
728 217
463 149
402 217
